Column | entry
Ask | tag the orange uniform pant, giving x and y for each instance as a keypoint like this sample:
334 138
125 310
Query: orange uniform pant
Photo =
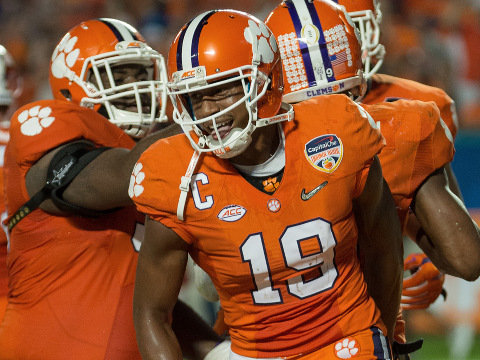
369 344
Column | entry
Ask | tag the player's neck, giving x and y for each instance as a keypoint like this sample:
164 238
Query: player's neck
265 141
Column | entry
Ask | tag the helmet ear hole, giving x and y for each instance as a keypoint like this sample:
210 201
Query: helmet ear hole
270 86
102 110
66 94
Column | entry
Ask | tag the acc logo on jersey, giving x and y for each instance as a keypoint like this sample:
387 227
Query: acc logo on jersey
325 152
231 213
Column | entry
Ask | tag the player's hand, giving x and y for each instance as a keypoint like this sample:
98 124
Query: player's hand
219 352
424 285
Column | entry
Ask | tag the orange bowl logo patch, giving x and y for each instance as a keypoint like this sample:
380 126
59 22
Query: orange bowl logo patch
325 152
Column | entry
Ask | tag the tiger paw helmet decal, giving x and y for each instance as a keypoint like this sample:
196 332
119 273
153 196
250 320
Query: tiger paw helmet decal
64 57
265 41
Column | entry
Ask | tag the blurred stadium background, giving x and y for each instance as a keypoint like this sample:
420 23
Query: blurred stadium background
436 42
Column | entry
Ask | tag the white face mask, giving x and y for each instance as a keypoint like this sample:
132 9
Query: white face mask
367 23
238 139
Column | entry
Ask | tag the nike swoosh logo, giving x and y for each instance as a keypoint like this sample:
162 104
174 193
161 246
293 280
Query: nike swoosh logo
308 196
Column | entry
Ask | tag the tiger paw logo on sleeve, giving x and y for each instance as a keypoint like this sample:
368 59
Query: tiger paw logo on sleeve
134 188
34 120
324 152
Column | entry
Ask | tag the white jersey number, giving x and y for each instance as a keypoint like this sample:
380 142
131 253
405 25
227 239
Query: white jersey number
253 251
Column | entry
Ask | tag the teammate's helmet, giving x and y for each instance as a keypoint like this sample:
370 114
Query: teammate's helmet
84 66
224 47
367 17
6 64
319 46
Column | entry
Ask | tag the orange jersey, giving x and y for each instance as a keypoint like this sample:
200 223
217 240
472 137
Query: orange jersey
70 278
285 265
385 87
417 145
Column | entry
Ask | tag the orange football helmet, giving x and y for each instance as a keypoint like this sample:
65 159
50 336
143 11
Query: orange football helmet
94 48
319 46
367 17
202 56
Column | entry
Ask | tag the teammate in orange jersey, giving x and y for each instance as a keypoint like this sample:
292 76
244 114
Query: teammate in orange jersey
282 253
419 143
72 264
367 16
10 89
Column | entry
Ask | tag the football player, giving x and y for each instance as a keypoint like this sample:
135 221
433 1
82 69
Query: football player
367 16
74 234
265 204
318 59
10 89
424 285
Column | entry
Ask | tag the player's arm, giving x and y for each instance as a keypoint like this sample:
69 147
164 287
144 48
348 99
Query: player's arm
448 235
161 267
380 245
103 183
160 270
452 181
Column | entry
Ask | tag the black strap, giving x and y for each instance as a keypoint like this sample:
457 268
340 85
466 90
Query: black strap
64 176
405 349
64 167
29 206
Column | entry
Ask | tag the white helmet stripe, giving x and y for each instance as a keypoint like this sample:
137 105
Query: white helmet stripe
189 58
121 31
314 50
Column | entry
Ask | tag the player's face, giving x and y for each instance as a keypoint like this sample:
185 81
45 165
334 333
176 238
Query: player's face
210 101
126 74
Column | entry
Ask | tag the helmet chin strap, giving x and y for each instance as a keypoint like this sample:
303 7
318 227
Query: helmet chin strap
240 139
239 146
135 124
185 185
